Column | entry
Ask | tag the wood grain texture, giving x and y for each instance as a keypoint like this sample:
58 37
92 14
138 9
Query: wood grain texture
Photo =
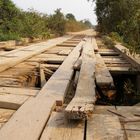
58 128
104 127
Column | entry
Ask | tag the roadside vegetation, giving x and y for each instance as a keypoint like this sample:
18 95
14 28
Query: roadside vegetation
120 19
16 23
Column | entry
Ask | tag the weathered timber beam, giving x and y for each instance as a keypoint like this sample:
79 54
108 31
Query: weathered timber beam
82 105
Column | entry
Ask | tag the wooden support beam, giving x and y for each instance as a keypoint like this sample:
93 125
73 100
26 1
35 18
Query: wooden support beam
82 105
102 74
42 76
59 128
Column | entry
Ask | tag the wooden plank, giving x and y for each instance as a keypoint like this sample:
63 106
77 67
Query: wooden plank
116 62
98 109
34 113
58 128
106 50
66 45
118 65
106 53
103 127
18 91
58 84
102 74
56 89
51 66
96 49
132 127
81 105
11 101
65 71
122 69
57 60
42 76
6 63
134 60
64 52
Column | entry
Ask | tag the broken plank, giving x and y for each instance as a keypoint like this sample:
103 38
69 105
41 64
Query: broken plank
102 74
11 101
103 127
81 105
42 76
59 128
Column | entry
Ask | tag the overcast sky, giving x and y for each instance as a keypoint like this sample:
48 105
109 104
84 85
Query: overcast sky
80 8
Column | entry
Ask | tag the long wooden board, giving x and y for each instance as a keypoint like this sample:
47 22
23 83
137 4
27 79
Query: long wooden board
6 63
28 121
81 105
61 78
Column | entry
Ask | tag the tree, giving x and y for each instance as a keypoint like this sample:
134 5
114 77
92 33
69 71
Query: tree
70 16
56 22
121 16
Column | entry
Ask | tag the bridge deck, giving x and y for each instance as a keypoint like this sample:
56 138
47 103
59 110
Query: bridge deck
31 111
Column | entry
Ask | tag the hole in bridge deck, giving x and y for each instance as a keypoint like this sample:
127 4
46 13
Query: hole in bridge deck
127 91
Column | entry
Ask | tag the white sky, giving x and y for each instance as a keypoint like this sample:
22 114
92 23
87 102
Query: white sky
80 8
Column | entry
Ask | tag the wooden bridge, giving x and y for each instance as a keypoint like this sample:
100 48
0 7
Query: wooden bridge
48 91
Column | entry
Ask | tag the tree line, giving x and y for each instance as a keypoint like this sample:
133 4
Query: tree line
16 23
120 19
